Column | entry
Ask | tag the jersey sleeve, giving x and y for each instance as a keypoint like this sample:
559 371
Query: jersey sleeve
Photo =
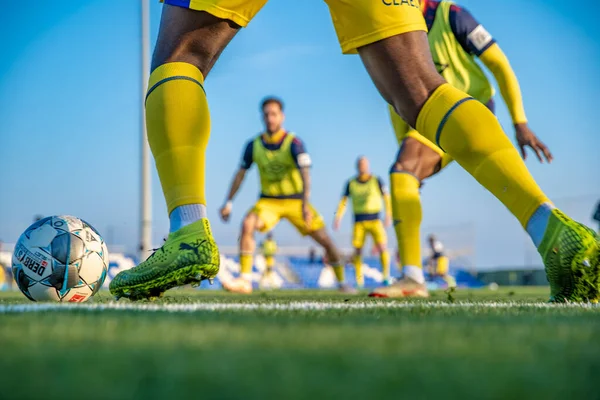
382 187
247 160
346 192
471 35
300 154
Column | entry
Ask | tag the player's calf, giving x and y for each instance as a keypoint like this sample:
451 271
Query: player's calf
358 268
243 284
414 162
332 257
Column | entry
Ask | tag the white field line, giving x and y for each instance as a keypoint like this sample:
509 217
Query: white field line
293 306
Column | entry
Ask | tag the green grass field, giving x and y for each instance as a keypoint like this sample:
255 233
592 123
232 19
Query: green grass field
478 344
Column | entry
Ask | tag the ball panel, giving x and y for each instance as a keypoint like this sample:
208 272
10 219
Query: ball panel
91 268
98 285
77 295
36 225
60 224
60 247
22 280
87 225
36 264
73 223
41 292
41 237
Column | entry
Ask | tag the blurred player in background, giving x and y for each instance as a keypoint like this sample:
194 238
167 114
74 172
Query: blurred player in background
596 216
391 39
456 40
367 193
268 248
438 262
284 171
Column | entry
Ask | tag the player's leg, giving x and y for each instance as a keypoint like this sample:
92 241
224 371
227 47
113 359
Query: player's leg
269 263
442 269
414 163
472 135
293 213
178 125
380 239
332 256
178 120
358 242
392 43
247 245
250 225
263 217
416 160
358 268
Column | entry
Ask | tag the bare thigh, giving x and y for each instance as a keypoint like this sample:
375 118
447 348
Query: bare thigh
403 71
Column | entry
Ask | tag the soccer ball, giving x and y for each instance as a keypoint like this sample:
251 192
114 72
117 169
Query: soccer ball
60 258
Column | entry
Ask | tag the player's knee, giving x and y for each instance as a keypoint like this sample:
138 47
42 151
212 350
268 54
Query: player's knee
249 224
196 38
407 167
189 50
421 163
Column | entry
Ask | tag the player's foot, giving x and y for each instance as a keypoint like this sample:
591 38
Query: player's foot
405 287
188 256
450 281
266 280
343 288
239 285
571 257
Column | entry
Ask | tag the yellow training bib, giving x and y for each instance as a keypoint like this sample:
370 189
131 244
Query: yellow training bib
279 174
366 196
456 66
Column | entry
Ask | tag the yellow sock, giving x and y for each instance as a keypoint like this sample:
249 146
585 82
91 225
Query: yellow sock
245 264
443 265
358 271
178 123
269 263
471 134
407 213
338 270
385 264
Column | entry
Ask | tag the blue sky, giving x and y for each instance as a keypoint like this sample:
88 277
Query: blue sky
70 95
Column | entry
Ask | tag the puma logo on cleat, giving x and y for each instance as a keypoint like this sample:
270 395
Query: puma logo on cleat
194 246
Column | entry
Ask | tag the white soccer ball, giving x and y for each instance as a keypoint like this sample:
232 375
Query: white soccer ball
60 258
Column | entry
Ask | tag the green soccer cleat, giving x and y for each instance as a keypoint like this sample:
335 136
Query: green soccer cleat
188 256
571 257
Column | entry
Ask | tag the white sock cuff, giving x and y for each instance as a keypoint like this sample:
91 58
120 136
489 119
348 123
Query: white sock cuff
185 215
246 277
415 273
189 212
